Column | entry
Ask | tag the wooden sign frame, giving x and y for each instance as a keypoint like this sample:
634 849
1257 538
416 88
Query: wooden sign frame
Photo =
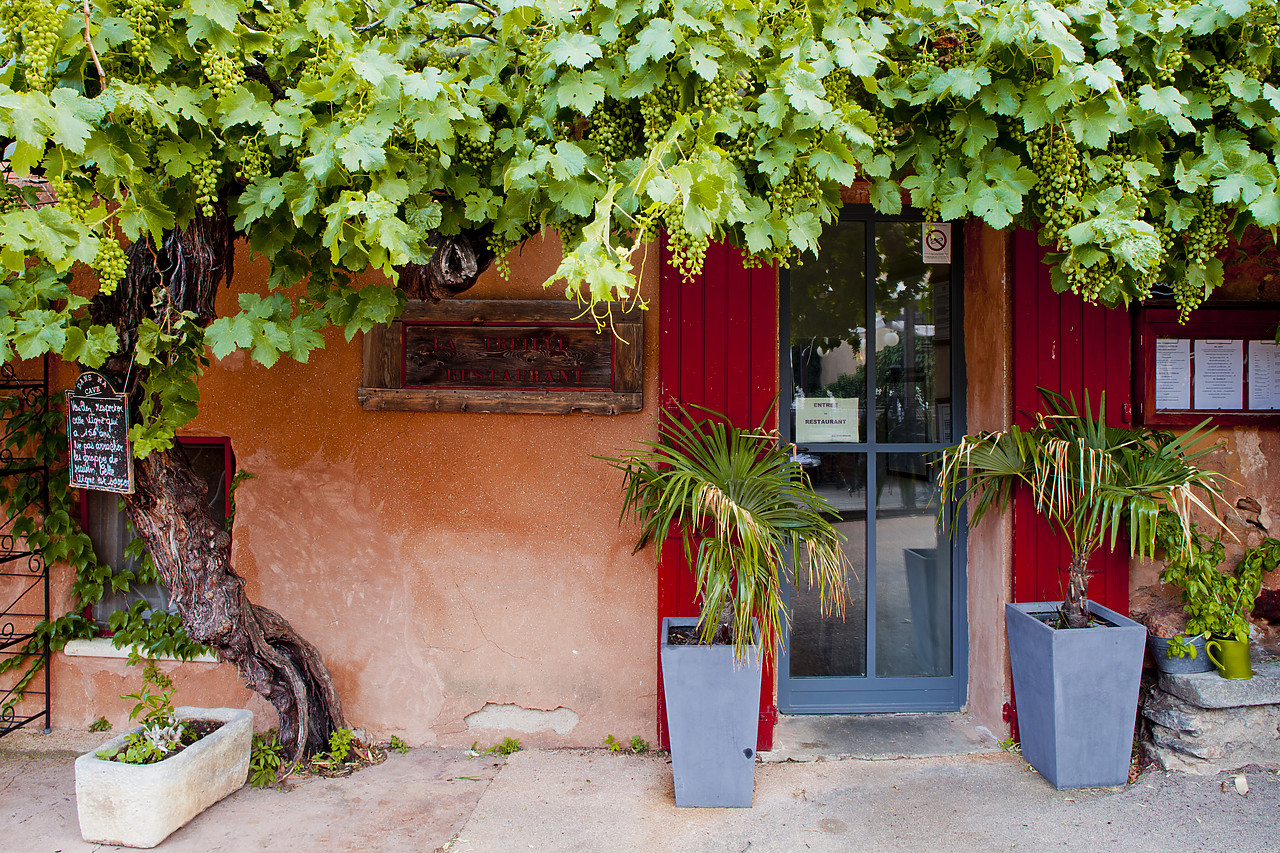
616 390
1240 322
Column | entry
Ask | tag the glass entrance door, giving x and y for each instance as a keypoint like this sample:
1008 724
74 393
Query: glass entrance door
872 369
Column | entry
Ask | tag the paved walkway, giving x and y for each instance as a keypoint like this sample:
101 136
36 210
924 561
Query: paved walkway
591 800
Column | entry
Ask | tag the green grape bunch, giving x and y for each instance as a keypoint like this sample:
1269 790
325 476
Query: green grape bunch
41 31
615 128
659 108
475 152
687 251
111 264
142 16
223 72
254 161
205 176
68 197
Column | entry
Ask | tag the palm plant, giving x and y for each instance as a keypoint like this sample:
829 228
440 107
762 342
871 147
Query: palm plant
1088 479
741 507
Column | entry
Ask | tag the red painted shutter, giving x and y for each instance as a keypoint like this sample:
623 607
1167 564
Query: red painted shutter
717 347
1062 344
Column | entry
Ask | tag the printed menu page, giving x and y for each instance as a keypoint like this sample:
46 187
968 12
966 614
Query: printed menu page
1173 373
1219 375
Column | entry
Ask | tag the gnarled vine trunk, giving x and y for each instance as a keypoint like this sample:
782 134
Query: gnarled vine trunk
168 509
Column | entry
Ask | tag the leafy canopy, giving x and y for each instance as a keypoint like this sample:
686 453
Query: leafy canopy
339 134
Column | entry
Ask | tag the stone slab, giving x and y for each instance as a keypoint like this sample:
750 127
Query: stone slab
1210 690
1210 740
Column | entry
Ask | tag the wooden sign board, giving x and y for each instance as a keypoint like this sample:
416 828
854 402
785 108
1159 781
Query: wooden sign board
539 356
527 356
98 451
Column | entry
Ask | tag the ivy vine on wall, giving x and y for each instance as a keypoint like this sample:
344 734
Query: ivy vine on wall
39 432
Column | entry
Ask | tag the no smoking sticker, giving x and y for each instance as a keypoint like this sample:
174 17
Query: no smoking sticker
935 242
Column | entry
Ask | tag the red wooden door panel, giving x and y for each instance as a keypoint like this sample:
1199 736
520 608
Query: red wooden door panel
1062 344
717 347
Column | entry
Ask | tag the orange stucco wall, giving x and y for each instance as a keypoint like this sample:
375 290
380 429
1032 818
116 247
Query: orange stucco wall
440 562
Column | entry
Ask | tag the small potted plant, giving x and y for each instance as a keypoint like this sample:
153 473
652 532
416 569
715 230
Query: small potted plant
1189 554
743 510
1216 603
1076 664
141 786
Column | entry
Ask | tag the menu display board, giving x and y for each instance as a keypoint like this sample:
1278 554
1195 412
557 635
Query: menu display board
98 452
1222 363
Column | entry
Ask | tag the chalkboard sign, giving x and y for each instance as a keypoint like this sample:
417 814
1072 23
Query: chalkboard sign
98 452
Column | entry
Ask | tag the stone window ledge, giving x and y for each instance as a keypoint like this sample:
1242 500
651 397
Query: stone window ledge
101 647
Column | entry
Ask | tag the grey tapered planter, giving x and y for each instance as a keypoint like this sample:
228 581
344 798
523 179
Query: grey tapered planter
140 805
712 720
1077 694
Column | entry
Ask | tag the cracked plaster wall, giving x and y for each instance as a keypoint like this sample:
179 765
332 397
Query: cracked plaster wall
441 562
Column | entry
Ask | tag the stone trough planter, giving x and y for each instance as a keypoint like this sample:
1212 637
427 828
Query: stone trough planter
140 805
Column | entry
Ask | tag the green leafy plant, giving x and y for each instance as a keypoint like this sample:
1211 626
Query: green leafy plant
1088 479
612 743
265 758
1216 602
639 744
100 725
398 745
162 732
743 509
508 746
340 744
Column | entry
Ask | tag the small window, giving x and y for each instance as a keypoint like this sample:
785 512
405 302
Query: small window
104 519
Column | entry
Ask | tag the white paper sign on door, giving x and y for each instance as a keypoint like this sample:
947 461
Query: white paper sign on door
826 420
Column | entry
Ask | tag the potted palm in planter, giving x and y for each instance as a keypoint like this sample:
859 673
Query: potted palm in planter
1076 664
743 509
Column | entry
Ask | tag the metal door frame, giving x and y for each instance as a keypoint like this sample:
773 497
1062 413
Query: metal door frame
872 693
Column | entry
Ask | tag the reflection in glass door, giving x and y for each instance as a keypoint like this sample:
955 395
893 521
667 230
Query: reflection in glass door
872 367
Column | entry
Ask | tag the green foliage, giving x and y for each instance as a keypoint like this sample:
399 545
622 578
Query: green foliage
504 748
265 758
398 745
161 732
743 508
100 725
36 429
340 744
339 134
1217 603
1090 480
637 746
